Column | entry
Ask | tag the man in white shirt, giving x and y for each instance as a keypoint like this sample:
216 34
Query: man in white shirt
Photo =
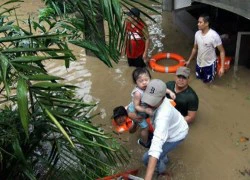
206 41
170 128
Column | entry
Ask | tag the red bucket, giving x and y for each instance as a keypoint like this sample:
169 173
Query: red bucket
227 63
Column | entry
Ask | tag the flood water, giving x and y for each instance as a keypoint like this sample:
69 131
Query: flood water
213 149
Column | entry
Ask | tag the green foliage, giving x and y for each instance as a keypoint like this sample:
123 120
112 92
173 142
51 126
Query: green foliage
45 132
84 21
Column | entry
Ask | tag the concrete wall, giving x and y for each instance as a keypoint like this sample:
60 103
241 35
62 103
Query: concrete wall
178 4
170 5
244 54
240 7
185 23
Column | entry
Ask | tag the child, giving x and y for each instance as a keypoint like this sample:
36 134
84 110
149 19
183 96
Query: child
121 121
141 77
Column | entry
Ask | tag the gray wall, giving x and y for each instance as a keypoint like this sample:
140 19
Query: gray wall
240 7
244 54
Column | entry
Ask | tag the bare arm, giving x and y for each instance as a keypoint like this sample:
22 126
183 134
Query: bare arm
190 116
150 168
123 50
135 117
137 102
193 53
171 93
222 57
145 54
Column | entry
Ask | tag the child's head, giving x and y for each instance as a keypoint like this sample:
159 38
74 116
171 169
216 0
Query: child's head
141 77
120 114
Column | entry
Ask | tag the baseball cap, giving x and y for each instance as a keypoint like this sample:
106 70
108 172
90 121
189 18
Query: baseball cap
134 11
184 71
154 92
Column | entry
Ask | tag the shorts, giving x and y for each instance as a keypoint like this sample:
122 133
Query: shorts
136 62
143 124
207 73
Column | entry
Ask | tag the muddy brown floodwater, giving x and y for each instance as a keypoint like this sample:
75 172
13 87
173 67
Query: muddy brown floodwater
214 148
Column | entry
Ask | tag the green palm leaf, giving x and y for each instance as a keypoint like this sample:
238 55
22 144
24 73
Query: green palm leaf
5 28
43 77
26 67
45 36
33 50
18 152
49 85
4 63
22 102
58 125
37 58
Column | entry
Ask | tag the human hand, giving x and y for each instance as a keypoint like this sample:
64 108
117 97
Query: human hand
149 111
187 63
221 72
172 95
123 52
146 60
145 57
134 116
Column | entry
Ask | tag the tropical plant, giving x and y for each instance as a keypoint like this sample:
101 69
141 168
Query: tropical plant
88 19
45 132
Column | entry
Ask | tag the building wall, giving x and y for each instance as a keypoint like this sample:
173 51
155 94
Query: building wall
240 7
178 4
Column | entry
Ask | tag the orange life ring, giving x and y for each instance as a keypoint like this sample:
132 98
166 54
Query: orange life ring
164 69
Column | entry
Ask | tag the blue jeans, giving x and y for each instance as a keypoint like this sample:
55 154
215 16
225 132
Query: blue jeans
163 159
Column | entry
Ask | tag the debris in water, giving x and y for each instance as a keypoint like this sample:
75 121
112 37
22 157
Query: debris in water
244 139
245 172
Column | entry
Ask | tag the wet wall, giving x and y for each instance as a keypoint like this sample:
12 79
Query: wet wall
236 6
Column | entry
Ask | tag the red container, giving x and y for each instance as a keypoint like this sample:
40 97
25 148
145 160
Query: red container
227 63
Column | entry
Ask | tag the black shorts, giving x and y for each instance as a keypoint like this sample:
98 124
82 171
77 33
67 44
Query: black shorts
136 62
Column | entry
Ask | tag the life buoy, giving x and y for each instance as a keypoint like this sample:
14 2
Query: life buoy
164 69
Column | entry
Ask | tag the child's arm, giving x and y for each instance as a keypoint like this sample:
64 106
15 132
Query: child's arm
137 102
171 93
138 107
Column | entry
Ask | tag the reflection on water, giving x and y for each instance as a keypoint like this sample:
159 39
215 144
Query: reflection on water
76 75
155 31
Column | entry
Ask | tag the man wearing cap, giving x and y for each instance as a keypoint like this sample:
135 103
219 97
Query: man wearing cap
187 101
137 39
170 128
